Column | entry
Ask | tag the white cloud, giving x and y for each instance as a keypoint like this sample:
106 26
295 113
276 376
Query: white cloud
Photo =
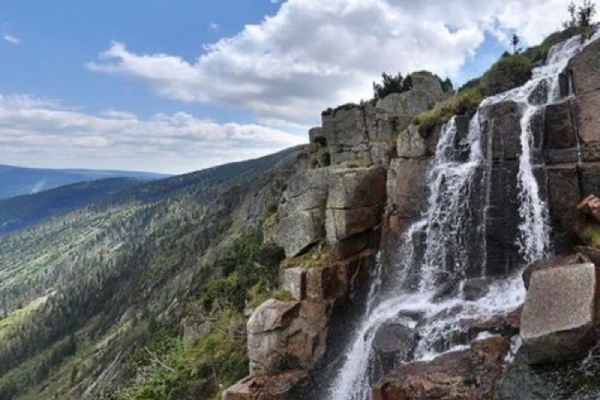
313 54
214 26
11 39
44 133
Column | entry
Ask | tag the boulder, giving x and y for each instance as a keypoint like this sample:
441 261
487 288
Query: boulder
463 375
284 335
549 263
394 342
267 333
557 323
264 387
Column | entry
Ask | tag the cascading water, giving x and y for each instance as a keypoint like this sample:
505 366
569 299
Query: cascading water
448 243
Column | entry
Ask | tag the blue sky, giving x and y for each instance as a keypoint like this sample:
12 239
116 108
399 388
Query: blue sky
180 85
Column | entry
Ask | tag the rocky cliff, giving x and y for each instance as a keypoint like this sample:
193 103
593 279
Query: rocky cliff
366 184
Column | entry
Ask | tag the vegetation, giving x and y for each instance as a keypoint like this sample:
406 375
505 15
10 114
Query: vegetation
93 303
465 101
580 16
391 84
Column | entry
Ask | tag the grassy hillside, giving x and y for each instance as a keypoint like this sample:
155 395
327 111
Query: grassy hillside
141 296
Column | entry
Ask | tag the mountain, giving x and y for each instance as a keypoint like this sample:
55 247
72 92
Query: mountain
22 211
92 297
16 181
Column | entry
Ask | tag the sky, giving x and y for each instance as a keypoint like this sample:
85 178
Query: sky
174 86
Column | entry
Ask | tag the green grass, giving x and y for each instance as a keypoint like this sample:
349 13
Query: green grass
465 101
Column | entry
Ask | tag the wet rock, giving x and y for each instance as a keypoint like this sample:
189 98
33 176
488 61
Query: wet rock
505 325
549 263
394 342
466 375
263 387
503 218
557 323
475 288
559 126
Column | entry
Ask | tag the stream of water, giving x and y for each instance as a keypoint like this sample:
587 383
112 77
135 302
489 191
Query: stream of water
448 243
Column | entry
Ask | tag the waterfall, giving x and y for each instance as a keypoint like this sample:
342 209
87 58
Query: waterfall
448 244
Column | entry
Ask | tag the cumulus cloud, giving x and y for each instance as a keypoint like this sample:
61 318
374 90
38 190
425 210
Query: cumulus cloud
45 133
313 54
11 39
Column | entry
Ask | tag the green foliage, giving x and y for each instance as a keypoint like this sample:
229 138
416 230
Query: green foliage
580 16
124 273
507 73
463 102
391 84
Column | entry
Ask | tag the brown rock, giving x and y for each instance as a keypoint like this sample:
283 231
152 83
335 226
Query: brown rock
263 387
407 187
464 375
341 224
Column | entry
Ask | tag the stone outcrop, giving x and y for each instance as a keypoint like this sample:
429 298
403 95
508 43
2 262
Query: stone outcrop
464 375
558 319
550 263
367 134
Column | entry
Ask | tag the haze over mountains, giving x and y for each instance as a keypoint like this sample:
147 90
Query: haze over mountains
16 181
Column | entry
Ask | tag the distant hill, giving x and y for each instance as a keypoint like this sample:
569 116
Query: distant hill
23 211
16 181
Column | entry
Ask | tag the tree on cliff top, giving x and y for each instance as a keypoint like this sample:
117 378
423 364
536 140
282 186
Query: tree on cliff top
390 84
580 16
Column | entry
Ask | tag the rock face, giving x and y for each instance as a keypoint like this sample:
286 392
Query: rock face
558 319
465 375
